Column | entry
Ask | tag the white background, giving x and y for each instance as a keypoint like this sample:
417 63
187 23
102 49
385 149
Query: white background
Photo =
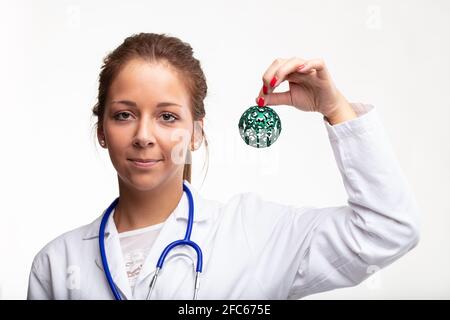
392 54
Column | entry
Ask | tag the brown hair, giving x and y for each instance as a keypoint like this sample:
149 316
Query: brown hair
154 47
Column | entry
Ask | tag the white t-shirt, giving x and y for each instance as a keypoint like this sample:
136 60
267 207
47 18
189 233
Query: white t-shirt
136 245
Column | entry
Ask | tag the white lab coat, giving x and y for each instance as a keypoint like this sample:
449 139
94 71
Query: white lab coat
253 248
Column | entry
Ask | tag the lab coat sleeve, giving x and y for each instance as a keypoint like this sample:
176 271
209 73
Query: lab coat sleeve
39 287
307 250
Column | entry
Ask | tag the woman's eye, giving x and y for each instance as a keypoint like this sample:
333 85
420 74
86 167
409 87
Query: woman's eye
124 116
168 116
117 116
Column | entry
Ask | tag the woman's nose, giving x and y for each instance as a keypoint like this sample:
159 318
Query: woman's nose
144 133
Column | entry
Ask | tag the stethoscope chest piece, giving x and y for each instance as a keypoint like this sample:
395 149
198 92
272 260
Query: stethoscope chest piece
260 127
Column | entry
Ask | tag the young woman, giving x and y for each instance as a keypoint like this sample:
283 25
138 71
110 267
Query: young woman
150 117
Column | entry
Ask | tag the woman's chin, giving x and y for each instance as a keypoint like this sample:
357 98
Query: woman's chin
142 182
145 185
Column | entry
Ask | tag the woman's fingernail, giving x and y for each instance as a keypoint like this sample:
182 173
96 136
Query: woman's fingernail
264 89
261 102
301 67
273 82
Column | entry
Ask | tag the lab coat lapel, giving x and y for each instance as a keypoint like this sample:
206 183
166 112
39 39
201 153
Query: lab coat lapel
175 229
115 259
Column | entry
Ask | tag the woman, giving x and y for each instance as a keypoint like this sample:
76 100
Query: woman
150 117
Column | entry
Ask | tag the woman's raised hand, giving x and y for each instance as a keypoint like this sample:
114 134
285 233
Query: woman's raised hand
310 89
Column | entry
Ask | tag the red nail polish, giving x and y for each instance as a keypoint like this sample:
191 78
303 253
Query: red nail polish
261 102
301 67
273 81
264 89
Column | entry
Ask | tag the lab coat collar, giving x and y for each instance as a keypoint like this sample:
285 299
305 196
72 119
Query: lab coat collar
182 210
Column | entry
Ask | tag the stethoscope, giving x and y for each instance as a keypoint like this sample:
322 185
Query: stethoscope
185 241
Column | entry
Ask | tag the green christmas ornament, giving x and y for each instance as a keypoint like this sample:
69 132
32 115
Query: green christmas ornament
260 127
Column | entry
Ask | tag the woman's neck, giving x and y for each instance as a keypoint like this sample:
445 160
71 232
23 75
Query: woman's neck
139 209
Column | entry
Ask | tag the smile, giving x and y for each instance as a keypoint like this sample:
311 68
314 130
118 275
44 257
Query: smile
144 163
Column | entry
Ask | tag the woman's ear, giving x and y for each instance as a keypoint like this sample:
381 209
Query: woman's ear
197 135
101 137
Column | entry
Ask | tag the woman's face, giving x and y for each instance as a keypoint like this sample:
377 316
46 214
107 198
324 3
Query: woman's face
147 116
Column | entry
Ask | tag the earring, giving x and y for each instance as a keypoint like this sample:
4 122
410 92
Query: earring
102 142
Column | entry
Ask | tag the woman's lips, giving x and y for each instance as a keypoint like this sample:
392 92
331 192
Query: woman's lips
144 163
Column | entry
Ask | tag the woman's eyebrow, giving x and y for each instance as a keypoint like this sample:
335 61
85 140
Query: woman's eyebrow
134 105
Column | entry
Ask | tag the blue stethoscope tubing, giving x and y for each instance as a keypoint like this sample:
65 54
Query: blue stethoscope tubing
186 241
